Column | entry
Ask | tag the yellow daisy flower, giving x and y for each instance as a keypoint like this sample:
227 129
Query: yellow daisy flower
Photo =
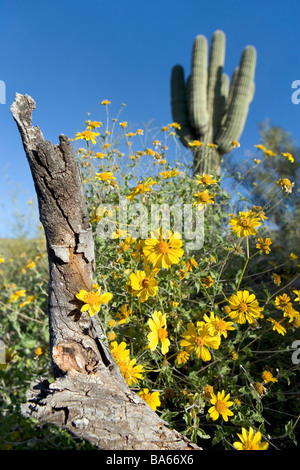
182 357
152 399
203 198
158 327
105 176
199 340
142 283
249 440
267 376
244 307
92 301
141 188
244 224
163 249
277 326
264 245
220 406
219 326
87 136
205 179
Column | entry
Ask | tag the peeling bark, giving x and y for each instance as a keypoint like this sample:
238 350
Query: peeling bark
89 397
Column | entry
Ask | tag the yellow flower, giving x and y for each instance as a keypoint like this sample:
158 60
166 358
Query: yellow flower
220 406
259 388
130 371
257 161
40 350
99 155
249 440
297 293
169 174
277 326
93 125
87 136
235 144
17 294
182 357
141 188
2 259
260 147
199 340
27 301
31 265
276 279
142 283
203 198
207 392
163 249
264 245
138 252
270 153
206 179
288 156
244 307
267 376
152 399
92 301
125 245
105 102
195 143
285 184
207 281
158 327
282 302
119 351
212 146
293 256
124 315
244 224
105 176
190 264
123 124
219 326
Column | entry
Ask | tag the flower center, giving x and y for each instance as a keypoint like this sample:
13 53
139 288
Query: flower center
199 341
145 282
243 307
139 187
250 446
220 325
220 406
204 197
91 298
245 222
163 247
162 333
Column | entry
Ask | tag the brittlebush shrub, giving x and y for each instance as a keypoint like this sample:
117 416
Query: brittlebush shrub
207 336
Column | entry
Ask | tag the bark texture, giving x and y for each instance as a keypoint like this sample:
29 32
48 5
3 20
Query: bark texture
89 396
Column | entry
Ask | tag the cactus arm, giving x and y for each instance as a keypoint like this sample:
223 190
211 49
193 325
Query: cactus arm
215 72
197 103
179 105
241 96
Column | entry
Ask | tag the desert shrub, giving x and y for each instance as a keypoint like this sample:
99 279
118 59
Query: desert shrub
205 333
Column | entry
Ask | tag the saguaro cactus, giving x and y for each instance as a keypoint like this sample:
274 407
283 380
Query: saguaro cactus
212 111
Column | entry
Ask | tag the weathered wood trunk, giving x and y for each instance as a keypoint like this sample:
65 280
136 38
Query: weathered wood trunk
89 397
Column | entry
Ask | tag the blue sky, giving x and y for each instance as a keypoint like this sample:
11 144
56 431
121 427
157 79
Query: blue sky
69 55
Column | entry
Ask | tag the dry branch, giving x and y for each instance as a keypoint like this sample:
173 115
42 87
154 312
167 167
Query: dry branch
89 397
